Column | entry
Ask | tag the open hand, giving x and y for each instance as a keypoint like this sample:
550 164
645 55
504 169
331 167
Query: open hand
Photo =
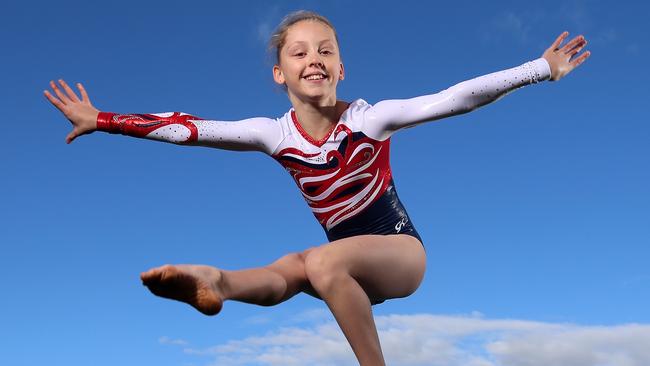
562 60
81 113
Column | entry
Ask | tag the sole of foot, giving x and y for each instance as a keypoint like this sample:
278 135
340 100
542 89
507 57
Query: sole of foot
196 285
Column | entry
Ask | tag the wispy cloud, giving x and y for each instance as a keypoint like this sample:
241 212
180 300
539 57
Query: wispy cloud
641 279
575 13
632 48
575 16
177 342
508 25
266 23
514 25
578 17
427 339
314 316
258 320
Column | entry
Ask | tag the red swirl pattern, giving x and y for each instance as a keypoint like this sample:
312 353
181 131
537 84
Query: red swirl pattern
345 182
141 125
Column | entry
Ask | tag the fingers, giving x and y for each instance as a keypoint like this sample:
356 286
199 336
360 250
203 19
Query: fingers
70 93
559 40
580 59
57 103
64 99
577 48
572 47
84 94
576 42
69 97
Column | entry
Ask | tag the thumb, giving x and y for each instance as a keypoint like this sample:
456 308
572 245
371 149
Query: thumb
71 136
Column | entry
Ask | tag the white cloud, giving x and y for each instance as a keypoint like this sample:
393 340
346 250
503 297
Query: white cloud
431 340
577 346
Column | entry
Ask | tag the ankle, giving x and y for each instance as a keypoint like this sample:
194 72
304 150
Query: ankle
224 284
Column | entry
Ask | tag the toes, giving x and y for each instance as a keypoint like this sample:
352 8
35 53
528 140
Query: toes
168 272
145 275
148 276
154 274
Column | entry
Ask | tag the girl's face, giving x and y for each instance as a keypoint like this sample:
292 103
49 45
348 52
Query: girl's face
309 65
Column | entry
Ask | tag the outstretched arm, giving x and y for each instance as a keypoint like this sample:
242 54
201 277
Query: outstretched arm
258 134
253 134
388 116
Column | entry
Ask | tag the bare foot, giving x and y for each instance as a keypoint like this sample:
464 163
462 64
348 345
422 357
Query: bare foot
196 285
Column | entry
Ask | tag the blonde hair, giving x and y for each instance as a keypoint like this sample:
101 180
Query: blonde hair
278 37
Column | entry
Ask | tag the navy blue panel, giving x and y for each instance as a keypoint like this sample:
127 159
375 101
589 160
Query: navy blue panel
385 216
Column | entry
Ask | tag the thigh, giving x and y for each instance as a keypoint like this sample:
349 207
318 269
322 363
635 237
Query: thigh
386 266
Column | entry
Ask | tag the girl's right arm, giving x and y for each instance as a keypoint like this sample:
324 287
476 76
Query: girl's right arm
254 134
389 116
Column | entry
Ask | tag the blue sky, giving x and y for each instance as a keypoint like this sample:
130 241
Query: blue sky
535 210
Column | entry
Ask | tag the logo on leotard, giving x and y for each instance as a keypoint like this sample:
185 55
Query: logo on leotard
401 223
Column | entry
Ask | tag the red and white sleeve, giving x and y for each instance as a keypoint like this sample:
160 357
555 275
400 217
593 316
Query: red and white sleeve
253 134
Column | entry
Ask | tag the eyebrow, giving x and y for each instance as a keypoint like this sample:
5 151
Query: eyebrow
300 43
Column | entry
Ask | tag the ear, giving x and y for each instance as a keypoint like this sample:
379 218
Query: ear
342 73
277 75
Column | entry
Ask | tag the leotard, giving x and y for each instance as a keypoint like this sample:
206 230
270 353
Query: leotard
345 177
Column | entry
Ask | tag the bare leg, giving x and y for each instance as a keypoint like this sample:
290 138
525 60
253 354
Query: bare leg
206 288
269 285
348 273
350 305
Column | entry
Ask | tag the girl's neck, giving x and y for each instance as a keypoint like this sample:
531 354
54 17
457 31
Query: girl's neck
317 118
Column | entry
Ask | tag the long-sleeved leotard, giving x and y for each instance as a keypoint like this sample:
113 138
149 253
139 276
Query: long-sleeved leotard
344 177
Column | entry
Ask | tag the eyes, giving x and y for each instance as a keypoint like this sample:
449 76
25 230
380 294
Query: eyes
301 54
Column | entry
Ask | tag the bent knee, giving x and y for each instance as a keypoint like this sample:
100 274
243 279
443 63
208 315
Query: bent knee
317 261
322 268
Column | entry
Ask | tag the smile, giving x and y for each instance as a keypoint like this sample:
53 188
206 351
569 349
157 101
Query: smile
315 77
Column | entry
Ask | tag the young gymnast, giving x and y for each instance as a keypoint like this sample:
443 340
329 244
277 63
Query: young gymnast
338 154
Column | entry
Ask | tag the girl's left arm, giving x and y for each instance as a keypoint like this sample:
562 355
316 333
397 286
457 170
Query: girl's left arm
252 134
386 117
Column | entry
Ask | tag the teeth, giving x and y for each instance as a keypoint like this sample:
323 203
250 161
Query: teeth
315 77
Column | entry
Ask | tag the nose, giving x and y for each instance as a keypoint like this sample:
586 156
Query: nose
315 59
